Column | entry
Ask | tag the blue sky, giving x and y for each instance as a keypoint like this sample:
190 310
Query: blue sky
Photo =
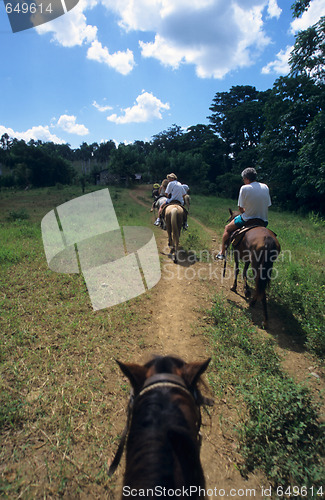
125 70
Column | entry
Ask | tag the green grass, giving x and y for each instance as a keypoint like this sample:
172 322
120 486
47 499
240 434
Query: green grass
279 432
60 391
60 404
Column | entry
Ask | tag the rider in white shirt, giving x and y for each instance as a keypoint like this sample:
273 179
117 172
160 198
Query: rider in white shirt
253 202
174 191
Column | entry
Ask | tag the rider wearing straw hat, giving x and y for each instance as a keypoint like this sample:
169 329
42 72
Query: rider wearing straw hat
174 191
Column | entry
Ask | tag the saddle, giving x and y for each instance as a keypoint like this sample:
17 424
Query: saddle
174 202
237 235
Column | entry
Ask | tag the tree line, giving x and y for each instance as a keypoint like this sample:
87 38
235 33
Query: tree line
280 131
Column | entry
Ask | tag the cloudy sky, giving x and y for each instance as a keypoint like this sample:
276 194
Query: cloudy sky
125 70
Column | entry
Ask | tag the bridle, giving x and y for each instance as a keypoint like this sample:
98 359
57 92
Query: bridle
159 380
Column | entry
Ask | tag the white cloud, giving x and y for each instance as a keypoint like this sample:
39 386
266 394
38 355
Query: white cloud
38 133
216 36
310 17
273 9
71 29
68 124
100 108
146 108
123 62
280 65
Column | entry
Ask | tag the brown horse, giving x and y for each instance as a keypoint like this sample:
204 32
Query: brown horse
174 217
163 445
259 248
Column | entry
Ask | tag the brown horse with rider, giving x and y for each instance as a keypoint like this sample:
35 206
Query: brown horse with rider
253 243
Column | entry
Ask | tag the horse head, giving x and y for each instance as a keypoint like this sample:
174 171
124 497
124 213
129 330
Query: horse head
166 365
233 214
163 445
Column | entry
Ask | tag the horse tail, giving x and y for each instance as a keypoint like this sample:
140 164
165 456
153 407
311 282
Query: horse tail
268 255
174 225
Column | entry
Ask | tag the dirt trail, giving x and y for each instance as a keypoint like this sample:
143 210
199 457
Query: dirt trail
172 319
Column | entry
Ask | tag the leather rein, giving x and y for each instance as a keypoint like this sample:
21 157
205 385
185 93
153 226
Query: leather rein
155 381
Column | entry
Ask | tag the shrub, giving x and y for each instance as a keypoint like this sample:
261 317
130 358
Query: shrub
20 214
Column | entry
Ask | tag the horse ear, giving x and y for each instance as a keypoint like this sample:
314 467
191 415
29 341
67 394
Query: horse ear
135 373
193 371
230 211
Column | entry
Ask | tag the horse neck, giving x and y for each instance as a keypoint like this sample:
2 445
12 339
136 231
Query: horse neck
162 447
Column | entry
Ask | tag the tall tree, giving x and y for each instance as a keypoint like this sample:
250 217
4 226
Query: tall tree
104 151
169 140
310 169
308 55
237 117
299 7
292 105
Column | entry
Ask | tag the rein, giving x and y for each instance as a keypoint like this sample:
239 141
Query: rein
159 380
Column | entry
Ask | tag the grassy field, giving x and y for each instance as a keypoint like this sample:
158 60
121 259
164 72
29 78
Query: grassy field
58 375
59 383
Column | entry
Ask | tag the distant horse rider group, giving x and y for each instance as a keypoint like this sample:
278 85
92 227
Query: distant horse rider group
246 230
170 192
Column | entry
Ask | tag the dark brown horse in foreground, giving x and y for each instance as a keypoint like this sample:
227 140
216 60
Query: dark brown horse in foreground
163 445
259 248
174 217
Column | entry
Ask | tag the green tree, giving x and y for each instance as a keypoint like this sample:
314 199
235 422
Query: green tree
5 142
125 161
299 7
157 164
310 170
292 104
238 118
104 151
190 169
169 140
308 55
33 164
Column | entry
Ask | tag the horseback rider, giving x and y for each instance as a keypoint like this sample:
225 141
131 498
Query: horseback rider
187 204
253 202
175 193
161 193
155 190
163 187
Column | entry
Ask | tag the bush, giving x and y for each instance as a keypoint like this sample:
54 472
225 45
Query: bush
17 215
280 433
228 185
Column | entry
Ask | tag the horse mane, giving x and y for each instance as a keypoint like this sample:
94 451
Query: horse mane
161 444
